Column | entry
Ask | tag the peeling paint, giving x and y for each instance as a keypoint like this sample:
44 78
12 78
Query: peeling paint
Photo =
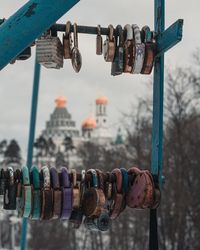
30 10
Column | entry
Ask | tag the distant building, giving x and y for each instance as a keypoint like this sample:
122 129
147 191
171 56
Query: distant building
96 129
61 125
61 136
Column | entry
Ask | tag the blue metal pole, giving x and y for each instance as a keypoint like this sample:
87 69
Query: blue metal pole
33 117
158 94
28 23
157 129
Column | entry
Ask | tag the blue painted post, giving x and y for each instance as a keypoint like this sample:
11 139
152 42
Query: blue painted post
157 130
158 88
33 117
28 23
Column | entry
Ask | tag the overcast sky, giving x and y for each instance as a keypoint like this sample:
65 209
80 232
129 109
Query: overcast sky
94 78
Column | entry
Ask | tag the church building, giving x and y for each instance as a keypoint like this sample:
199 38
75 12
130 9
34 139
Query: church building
61 136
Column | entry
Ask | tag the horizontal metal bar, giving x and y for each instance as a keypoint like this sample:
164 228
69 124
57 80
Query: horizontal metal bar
82 29
28 23
170 37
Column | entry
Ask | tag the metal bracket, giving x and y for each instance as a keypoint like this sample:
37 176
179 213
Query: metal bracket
170 37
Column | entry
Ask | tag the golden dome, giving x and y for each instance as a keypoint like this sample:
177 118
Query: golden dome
89 123
60 102
102 100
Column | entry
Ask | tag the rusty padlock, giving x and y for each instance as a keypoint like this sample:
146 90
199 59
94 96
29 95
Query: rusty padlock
109 45
76 55
67 42
99 41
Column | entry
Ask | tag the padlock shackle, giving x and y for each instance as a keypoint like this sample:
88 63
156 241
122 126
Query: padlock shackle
68 28
94 177
75 36
99 30
11 175
121 35
74 176
46 177
25 176
147 34
35 177
137 34
111 32
129 32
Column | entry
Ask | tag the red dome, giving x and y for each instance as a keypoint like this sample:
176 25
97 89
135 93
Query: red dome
102 100
89 123
60 102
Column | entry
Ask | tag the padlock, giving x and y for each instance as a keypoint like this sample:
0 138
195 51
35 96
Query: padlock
25 205
35 182
76 55
139 50
129 49
76 217
75 191
94 198
57 194
118 198
99 41
141 191
124 180
66 209
49 51
150 48
2 182
156 197
125 184
10 192
109 187
46 195
118 62
19 189
103 221
67 42
109 45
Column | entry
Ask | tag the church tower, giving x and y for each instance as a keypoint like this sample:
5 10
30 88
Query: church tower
102 132
101 111
60 124
88 127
